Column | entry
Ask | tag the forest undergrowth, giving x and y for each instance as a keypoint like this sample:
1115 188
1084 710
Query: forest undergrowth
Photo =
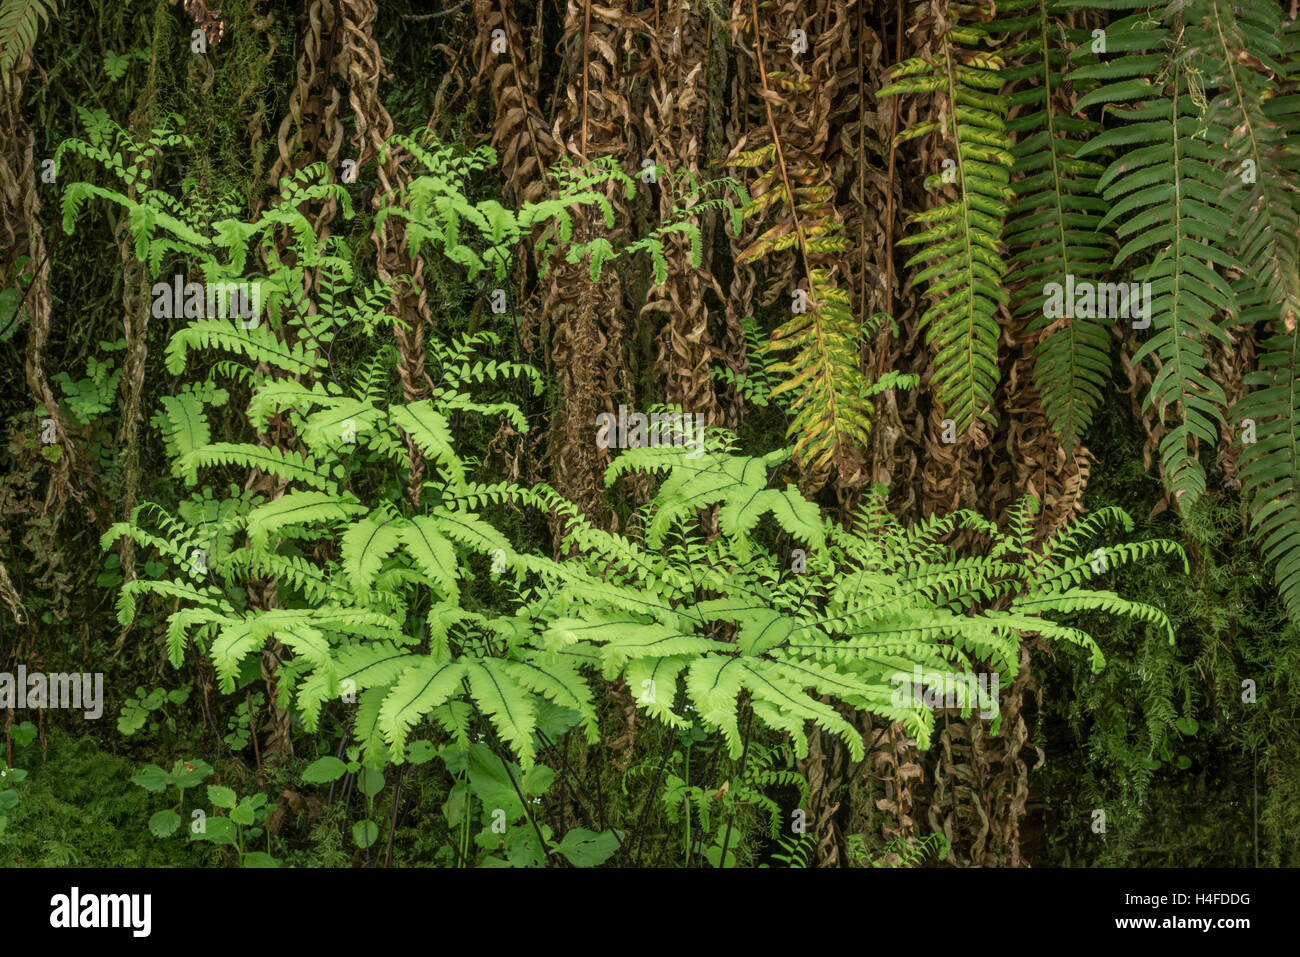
666 434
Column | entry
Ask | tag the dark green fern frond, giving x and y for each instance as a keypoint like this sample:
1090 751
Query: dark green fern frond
19 22
1165 192
1270 464
1240 50
1053 226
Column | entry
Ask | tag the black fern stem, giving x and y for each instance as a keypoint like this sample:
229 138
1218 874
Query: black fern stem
663 763
338 753
744 753
392 820
451 841
513 783
600 800
569 780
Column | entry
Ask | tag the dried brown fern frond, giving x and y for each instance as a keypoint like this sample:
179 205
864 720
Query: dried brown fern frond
363 66
675 120
522 139
805 246
589 335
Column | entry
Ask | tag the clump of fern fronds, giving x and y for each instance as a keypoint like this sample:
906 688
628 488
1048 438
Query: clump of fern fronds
848 613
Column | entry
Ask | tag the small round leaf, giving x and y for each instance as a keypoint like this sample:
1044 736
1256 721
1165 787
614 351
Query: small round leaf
365 833
164 823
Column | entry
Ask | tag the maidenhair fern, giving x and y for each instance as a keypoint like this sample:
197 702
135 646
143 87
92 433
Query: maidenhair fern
435 211
159 223
183 423
842 613
354 627
850 616
756 385
781 614
372 588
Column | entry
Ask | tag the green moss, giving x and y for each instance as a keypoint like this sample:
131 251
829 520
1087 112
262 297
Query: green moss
79 809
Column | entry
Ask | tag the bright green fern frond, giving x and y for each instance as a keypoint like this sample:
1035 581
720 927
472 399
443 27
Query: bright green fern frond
273 461
184 424
300 508
365 546
963 265
259 343
428 429
433 553
559 680
421 688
